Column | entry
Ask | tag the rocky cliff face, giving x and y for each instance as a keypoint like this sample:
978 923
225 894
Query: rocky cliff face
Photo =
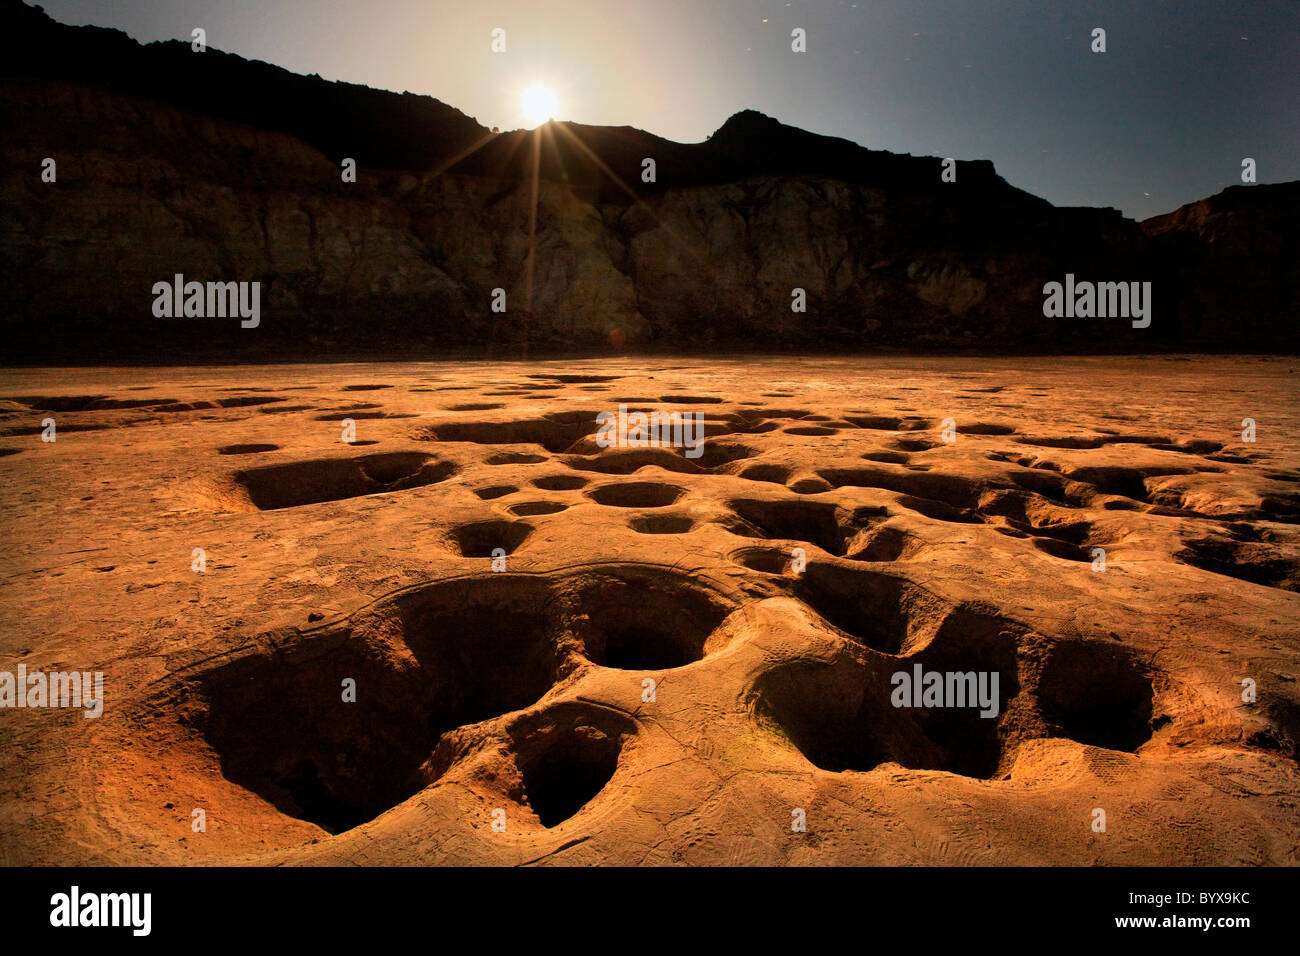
220 169
1233 263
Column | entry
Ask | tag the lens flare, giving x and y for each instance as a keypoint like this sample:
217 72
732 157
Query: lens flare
538 104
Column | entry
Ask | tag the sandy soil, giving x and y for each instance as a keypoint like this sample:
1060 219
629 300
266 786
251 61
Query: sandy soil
522 695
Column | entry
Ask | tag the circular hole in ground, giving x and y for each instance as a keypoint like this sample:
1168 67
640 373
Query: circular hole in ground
847 713
766 560
560 482
637 494
661 524
884 544
480 539
515 458
424 662
526 508
290 485
1096 694
890 457
1061 549
812 521
566 755
838 716
880 611
643 618
246 449
778 474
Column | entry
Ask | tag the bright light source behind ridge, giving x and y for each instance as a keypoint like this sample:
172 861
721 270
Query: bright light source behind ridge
538 104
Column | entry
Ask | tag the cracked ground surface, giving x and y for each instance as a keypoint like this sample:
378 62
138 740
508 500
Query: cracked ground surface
827 537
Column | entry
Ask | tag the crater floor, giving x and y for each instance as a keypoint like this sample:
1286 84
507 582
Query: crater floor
470 634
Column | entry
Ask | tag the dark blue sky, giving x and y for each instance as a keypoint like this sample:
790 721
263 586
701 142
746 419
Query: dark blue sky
1185 91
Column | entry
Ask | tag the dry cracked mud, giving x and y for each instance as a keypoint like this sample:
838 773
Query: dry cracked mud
571 654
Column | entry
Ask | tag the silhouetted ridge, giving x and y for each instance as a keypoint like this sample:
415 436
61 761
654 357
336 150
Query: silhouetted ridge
380 128
405 131
1234 253
223 169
